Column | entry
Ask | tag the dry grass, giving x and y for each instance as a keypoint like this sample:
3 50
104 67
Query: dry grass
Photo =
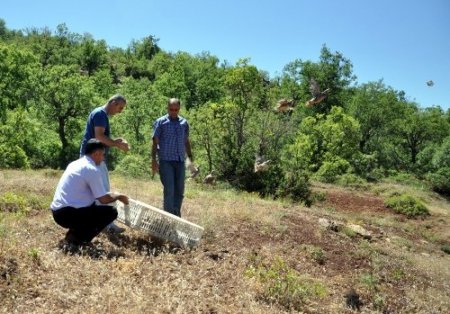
401 270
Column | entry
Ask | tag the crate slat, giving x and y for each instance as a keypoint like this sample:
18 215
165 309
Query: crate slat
159 223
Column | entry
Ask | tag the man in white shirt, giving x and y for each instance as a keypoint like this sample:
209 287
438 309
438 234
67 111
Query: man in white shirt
74 205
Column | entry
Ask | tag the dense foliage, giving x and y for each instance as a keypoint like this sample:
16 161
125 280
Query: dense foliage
50 80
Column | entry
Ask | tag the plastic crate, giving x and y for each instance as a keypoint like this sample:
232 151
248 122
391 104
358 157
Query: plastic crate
159 223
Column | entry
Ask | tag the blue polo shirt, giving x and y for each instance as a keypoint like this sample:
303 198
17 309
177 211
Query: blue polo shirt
172 135
97 118
80 185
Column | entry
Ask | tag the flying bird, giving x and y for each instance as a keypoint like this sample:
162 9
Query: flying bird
261 164
194 170
284 105
430 83
318 96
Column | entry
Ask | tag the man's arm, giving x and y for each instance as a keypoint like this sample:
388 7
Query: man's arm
107 198
187 144
155 166
119 143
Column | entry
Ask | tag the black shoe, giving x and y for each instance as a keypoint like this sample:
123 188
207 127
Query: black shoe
70 238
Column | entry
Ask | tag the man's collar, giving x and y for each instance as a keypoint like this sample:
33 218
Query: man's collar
89 158
173 119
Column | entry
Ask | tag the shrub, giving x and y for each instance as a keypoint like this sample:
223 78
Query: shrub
285 285
331 170
46 153
424 162
351 180
446 248
134 166
316 253
441 157
375 175
38 202
296 186
407 205
400 176
13 157
370 281
440 180
11 202
365 165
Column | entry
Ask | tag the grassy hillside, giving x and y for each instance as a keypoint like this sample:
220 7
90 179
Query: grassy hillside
256 256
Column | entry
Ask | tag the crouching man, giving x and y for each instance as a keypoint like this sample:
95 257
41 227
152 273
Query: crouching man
74 206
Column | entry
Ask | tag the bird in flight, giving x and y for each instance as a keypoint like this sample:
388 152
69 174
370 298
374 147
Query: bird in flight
430 83
318 96
261 164
284 105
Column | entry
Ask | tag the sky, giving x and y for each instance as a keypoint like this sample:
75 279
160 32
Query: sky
405 43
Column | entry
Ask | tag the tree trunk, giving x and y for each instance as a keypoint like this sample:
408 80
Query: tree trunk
64 142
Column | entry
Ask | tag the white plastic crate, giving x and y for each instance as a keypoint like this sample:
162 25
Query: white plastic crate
159 223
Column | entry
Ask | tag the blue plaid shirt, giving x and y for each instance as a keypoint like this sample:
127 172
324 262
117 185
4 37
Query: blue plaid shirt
172 135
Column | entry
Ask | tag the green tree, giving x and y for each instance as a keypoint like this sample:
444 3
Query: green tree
326 145
205 134
332 71
39 145
3 29
92 54
194 79
418 128
18 80
138 56
67 98
53 49
144 105
244 84
145 48
377 108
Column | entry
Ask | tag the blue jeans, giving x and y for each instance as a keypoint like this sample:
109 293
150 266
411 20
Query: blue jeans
172 175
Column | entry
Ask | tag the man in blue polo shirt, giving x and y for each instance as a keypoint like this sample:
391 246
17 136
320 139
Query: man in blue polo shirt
171 143
74 205
97 126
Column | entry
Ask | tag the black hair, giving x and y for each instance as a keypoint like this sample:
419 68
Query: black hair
93 145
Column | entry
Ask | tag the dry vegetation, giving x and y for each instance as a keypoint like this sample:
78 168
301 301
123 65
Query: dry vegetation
256 256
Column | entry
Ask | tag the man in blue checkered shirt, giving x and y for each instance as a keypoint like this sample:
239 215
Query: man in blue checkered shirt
171 142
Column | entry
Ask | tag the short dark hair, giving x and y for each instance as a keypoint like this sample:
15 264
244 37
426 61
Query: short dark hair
173 101
117 98
93 145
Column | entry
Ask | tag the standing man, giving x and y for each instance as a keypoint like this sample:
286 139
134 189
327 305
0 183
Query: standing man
74 203
97 127
171 142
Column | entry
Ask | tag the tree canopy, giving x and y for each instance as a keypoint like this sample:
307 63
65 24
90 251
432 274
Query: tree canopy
51 80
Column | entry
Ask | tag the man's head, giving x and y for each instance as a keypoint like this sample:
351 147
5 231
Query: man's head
96 150
173 107
115 104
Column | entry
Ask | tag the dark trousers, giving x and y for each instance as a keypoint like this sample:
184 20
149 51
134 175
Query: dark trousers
172 175
86 222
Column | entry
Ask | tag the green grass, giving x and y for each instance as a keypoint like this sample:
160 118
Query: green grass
285 285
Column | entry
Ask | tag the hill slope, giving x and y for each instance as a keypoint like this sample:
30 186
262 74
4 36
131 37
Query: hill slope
256 256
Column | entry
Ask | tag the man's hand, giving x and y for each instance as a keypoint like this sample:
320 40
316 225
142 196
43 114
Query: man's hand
123 199
122 144
112 197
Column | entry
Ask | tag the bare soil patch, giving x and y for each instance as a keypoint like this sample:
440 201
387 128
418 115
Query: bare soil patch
135 273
